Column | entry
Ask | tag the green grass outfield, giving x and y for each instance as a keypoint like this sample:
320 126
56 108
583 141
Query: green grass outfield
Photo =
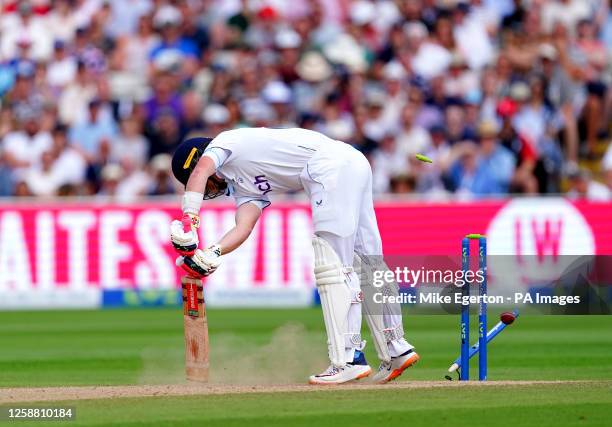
118 347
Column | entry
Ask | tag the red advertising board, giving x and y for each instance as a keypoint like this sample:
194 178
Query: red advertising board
85 246
525 225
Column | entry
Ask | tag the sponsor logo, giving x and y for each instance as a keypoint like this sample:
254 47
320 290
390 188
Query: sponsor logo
262 184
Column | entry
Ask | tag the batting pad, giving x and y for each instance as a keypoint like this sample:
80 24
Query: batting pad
336 299
384 322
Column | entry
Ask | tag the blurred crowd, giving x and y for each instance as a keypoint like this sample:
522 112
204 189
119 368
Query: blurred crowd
506 96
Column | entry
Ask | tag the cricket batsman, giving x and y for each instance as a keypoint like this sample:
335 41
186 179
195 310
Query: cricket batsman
251 164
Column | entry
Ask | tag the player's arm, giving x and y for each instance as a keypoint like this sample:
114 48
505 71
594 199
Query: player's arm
205 262
199 176
247 215
184 233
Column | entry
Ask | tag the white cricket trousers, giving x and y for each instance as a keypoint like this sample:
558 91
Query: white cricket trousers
338 182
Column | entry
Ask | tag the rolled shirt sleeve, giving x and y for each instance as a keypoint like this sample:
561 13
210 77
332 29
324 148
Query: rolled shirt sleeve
218 155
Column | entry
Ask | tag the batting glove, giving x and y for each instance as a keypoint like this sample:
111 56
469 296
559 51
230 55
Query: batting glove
184 234
202 263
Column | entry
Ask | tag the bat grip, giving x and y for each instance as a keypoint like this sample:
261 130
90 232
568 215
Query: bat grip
187 222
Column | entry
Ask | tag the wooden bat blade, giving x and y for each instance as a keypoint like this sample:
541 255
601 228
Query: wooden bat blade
196 330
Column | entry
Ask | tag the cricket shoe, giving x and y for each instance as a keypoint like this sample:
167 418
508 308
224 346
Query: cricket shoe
354 370
388 371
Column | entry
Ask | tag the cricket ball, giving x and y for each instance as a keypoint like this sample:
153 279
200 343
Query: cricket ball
507 317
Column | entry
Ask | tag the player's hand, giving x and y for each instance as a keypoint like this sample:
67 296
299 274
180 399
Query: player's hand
202 263
184 234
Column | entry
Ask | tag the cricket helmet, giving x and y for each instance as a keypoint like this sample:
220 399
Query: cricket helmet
186 157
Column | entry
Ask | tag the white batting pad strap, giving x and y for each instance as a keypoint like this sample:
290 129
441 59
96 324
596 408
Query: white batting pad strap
336 298
352 340
392 334
390 289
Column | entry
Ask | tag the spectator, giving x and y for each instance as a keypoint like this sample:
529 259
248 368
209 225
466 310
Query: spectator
389 77
24 94
456 126
595 53
359 139
583 187
386 163
75 98
485 169
135 182
22 190
606 17
471 35
431 179
432 57
375 126
279 96
165 96
126 15
607 167
62 21
394 76
411 138
165 133
428 114
69 167
288 44
88 135
460 80
261 30
162 181
24 25
566 12
40 179
192 107
24 147
130 143
94 174
216 118
135 49
336 123
402 184
6 180
110 175
168 20
62 68
313 71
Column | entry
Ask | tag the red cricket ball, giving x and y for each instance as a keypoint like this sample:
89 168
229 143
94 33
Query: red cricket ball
507 317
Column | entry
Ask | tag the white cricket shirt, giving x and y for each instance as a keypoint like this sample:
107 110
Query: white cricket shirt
262 161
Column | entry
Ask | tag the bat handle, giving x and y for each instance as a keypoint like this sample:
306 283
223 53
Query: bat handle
186 220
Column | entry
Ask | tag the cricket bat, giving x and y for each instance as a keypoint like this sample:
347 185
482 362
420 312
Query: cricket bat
196 330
